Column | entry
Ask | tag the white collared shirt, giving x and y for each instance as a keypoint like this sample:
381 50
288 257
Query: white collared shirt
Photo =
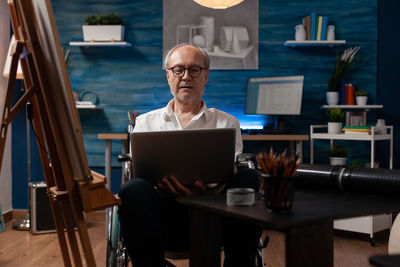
165 119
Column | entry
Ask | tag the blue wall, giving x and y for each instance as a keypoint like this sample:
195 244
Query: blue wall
132 78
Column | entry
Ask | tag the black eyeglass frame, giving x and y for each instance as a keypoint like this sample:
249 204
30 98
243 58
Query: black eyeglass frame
184 71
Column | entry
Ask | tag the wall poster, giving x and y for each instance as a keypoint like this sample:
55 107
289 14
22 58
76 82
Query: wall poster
230 36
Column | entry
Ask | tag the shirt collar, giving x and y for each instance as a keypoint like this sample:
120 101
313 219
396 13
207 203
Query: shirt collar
204 110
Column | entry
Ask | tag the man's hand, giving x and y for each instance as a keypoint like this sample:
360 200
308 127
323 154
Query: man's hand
173 186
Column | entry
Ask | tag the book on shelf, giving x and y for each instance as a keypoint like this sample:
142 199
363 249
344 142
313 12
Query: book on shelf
84 104
342 93
306 24
358 129
324 27
313 18
319 28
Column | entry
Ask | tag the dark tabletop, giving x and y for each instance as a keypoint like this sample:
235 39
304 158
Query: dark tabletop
308 207
385 260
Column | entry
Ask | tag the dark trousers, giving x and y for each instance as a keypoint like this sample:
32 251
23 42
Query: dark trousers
151 222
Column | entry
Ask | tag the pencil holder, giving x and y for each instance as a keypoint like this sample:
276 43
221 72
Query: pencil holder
278 193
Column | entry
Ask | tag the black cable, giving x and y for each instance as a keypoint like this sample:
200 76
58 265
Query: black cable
29 115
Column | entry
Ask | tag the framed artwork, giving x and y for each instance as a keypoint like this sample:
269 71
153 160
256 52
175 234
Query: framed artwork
230 36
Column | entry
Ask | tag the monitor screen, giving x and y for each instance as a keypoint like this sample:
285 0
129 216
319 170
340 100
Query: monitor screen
274 95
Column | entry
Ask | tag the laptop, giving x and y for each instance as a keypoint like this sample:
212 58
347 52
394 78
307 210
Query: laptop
204 154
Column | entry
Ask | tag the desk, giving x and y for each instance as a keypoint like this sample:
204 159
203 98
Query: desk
308 228
291 138
108 137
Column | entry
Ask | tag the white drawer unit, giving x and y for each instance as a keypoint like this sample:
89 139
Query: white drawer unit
365 224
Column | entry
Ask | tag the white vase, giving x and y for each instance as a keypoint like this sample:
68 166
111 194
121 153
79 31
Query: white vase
361 100
334 127
332 98
337 161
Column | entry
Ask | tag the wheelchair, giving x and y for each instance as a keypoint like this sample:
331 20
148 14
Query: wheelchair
117 254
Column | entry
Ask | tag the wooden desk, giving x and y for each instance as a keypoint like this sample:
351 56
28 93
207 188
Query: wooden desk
108 137
308 228
291 138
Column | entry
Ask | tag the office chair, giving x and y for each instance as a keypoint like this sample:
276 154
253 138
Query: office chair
117 255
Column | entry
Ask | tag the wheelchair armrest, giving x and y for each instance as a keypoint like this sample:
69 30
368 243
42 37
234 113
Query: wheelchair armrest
246 160
124 157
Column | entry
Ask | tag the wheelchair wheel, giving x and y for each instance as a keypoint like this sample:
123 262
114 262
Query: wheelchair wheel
116 255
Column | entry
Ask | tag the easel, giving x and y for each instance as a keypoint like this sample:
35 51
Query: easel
72 187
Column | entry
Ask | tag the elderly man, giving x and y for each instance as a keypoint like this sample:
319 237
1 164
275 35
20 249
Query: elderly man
151 221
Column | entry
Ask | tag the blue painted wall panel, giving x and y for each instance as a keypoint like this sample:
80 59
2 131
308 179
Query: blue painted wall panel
132 78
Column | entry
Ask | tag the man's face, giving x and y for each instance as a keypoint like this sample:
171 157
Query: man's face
186 88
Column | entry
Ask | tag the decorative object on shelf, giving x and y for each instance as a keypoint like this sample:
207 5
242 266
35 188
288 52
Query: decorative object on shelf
381 123
103 28
300 33
330 36
332 98
335 120
341 67
218 4
357 163
349 94
89 97
338 155
277 173
361 97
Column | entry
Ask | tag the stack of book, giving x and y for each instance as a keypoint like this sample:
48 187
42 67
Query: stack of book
357 129
84 104
315 27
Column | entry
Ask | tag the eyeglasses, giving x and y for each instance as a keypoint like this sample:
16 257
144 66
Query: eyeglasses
179 71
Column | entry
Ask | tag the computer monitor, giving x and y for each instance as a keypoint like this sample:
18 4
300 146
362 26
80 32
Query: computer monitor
275 96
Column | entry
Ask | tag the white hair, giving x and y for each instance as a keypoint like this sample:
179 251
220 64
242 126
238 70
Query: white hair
203 52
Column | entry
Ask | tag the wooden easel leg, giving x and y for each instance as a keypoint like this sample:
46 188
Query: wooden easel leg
84 238
69 225
58 221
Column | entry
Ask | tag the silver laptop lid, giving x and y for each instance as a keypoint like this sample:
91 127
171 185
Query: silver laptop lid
205 154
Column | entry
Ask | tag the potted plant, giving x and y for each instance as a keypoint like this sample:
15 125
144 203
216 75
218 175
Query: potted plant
338 155
361 97
335 119
103 28
341 66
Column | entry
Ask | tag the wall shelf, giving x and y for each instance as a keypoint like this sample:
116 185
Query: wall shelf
314 43
87 107
365 107
107 44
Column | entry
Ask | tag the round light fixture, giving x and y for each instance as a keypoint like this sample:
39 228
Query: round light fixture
218 4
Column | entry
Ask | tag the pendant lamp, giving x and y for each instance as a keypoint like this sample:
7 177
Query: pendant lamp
218 4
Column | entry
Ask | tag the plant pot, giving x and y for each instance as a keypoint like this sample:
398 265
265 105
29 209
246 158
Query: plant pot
334 127
103 32
332 98
338 161
361 100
